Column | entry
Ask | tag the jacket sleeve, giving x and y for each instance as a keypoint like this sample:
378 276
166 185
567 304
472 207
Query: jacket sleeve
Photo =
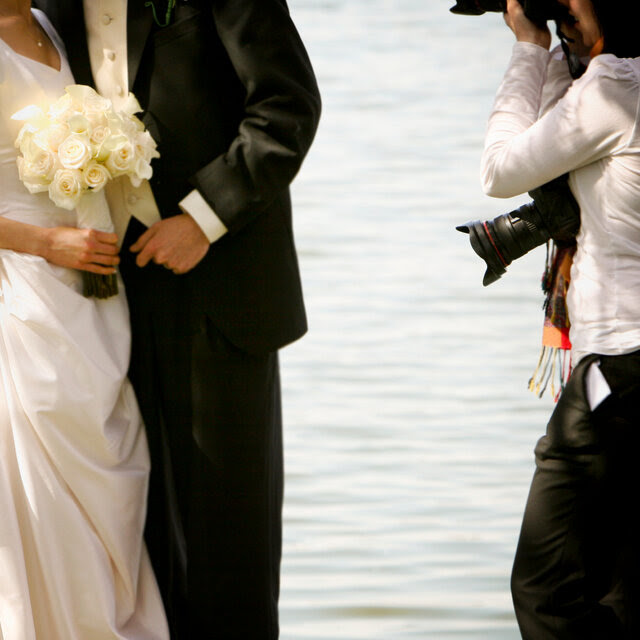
281 110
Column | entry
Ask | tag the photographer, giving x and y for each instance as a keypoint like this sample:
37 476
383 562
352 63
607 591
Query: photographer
576 566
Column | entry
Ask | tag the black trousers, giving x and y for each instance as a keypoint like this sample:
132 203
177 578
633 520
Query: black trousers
576 570
213 419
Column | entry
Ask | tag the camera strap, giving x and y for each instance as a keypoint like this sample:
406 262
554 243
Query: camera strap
576 66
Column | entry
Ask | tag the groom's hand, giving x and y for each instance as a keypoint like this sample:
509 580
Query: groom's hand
177 243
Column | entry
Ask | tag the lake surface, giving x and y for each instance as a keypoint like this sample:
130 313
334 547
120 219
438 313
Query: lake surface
409 429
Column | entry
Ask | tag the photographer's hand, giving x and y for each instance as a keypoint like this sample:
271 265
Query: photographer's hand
523 28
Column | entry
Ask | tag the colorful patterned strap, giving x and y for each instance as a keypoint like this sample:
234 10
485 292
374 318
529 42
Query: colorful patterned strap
554 364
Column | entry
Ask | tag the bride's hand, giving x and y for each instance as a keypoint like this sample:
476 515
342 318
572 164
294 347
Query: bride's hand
523 28
84 249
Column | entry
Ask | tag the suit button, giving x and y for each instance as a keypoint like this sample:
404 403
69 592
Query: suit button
132 199
111 55
106 19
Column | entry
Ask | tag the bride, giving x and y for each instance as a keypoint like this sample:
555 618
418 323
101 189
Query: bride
73 454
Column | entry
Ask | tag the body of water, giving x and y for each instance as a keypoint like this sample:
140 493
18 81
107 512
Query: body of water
409 429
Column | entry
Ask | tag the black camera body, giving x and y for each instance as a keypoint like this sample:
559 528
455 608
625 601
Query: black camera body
553 214
538 11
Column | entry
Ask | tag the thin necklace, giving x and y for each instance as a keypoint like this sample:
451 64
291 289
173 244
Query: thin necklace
36 38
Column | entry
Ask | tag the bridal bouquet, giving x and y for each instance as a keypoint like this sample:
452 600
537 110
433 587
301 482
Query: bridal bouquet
73 148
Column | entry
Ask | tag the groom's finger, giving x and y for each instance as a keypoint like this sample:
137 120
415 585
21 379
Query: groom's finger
140 243
144 257
143 247
146 252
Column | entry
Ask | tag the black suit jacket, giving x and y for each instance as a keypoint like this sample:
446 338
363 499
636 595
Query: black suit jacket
229 94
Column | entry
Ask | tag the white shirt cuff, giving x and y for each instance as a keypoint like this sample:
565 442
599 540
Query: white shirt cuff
198 208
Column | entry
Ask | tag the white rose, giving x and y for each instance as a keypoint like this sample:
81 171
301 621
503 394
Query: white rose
121 156
66 189
24 139
51 137
75 152
96 175
37 174
42 159
95 103
27 133
40 163
99 134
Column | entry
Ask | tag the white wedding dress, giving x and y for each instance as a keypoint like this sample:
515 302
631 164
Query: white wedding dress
73 455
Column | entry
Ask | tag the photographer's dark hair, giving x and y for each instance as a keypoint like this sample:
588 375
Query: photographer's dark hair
620 24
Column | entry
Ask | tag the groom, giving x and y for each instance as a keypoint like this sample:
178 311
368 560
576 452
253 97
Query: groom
212 278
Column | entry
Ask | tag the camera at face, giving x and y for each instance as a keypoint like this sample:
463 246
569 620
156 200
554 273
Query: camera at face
538 11
554 212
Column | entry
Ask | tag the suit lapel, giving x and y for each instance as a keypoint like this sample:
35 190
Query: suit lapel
139 22
67 16
73 33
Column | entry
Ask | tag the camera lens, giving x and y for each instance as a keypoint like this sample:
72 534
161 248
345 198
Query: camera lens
537 10
478 7
504 239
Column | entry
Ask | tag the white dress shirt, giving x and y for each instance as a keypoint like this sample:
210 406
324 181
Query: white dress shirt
592 132
106 23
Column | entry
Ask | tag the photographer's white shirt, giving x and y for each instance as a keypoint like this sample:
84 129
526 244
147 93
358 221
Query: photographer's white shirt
592 132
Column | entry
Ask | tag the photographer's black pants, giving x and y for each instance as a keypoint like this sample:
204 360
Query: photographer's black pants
577 572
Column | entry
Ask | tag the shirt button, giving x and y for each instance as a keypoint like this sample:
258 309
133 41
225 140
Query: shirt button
106 19
132 199
111 55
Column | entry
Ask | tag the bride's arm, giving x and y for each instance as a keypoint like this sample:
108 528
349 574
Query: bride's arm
84 249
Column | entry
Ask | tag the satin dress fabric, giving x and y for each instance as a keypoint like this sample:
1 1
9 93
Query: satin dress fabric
74 461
